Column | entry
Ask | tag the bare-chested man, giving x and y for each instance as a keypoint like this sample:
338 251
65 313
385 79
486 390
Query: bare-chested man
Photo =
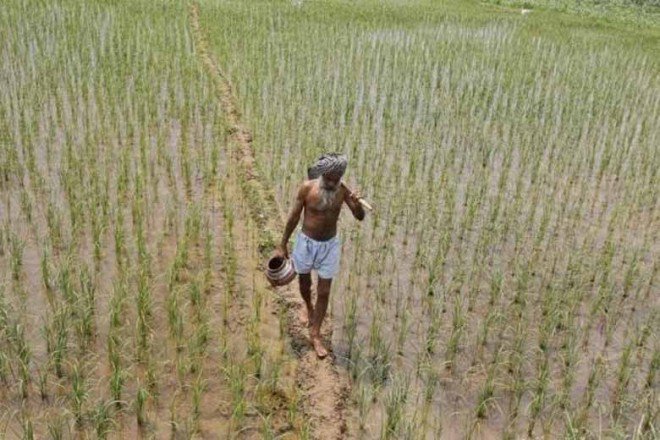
317 245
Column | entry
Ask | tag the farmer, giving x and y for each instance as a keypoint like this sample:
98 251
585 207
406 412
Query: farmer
317 246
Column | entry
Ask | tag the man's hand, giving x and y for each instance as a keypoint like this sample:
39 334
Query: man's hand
352 199
282 251
355 196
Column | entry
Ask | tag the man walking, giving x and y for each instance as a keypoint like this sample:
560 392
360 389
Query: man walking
317 246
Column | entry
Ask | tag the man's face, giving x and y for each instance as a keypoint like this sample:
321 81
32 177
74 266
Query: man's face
331 180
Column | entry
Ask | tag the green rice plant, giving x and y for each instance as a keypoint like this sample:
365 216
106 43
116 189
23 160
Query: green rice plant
144 316
102 419
515 366
350 323
174 426
65 281
363 395
540 390
624 374
404 328
43 383
23 352
395 403
654 368
379 353
180 262
569 360
433 329
26 205
257 300
4 367
16 248
193 224
144 258
175 317
595 376
151 377
255 350
208 255
3 239
85 308
195 294
431 379
306 430
198 344
28 427
98 228
183 367
59 351
495 291
457 329
117 379
494 317
229 254
198 388
487 392
141 397
266 427
46 273
79 394
236 378
56 428
119 237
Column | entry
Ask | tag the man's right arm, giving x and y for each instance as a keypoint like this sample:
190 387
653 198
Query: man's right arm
292 221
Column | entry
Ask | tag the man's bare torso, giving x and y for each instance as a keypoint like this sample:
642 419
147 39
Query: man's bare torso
321 224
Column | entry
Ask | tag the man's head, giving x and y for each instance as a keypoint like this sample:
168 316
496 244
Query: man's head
329 169
331 166
330 181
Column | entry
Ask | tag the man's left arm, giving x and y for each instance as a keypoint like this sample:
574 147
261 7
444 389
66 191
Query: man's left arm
352 199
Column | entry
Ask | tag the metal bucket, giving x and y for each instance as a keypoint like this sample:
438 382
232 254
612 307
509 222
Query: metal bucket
279 271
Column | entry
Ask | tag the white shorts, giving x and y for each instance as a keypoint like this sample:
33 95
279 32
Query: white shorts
322 256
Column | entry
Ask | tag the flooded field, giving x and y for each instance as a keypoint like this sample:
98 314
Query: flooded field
507 282
505 286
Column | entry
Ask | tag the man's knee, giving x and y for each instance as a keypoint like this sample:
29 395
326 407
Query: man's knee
324 285
305 281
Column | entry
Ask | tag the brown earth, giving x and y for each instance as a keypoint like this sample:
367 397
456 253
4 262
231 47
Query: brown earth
324 391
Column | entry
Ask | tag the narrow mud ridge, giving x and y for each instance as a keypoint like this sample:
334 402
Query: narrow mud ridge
324 390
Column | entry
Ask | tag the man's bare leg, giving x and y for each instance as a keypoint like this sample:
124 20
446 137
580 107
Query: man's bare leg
307 313
323 294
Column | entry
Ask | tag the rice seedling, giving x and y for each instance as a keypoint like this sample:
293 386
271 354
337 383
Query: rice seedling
102 419
197 391
236 378
141 397
487 392
28 427
79 394
16 248
394 407
379 356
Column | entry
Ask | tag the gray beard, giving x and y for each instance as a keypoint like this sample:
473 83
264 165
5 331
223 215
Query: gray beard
327 196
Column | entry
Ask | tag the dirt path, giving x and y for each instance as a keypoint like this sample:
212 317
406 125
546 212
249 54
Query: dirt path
324 390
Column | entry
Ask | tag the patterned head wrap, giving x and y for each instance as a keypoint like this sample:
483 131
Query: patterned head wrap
328 163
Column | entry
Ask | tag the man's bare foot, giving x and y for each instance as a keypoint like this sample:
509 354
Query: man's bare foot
305 315
320 350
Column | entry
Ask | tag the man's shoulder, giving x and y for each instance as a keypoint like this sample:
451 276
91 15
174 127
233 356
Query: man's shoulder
306 188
